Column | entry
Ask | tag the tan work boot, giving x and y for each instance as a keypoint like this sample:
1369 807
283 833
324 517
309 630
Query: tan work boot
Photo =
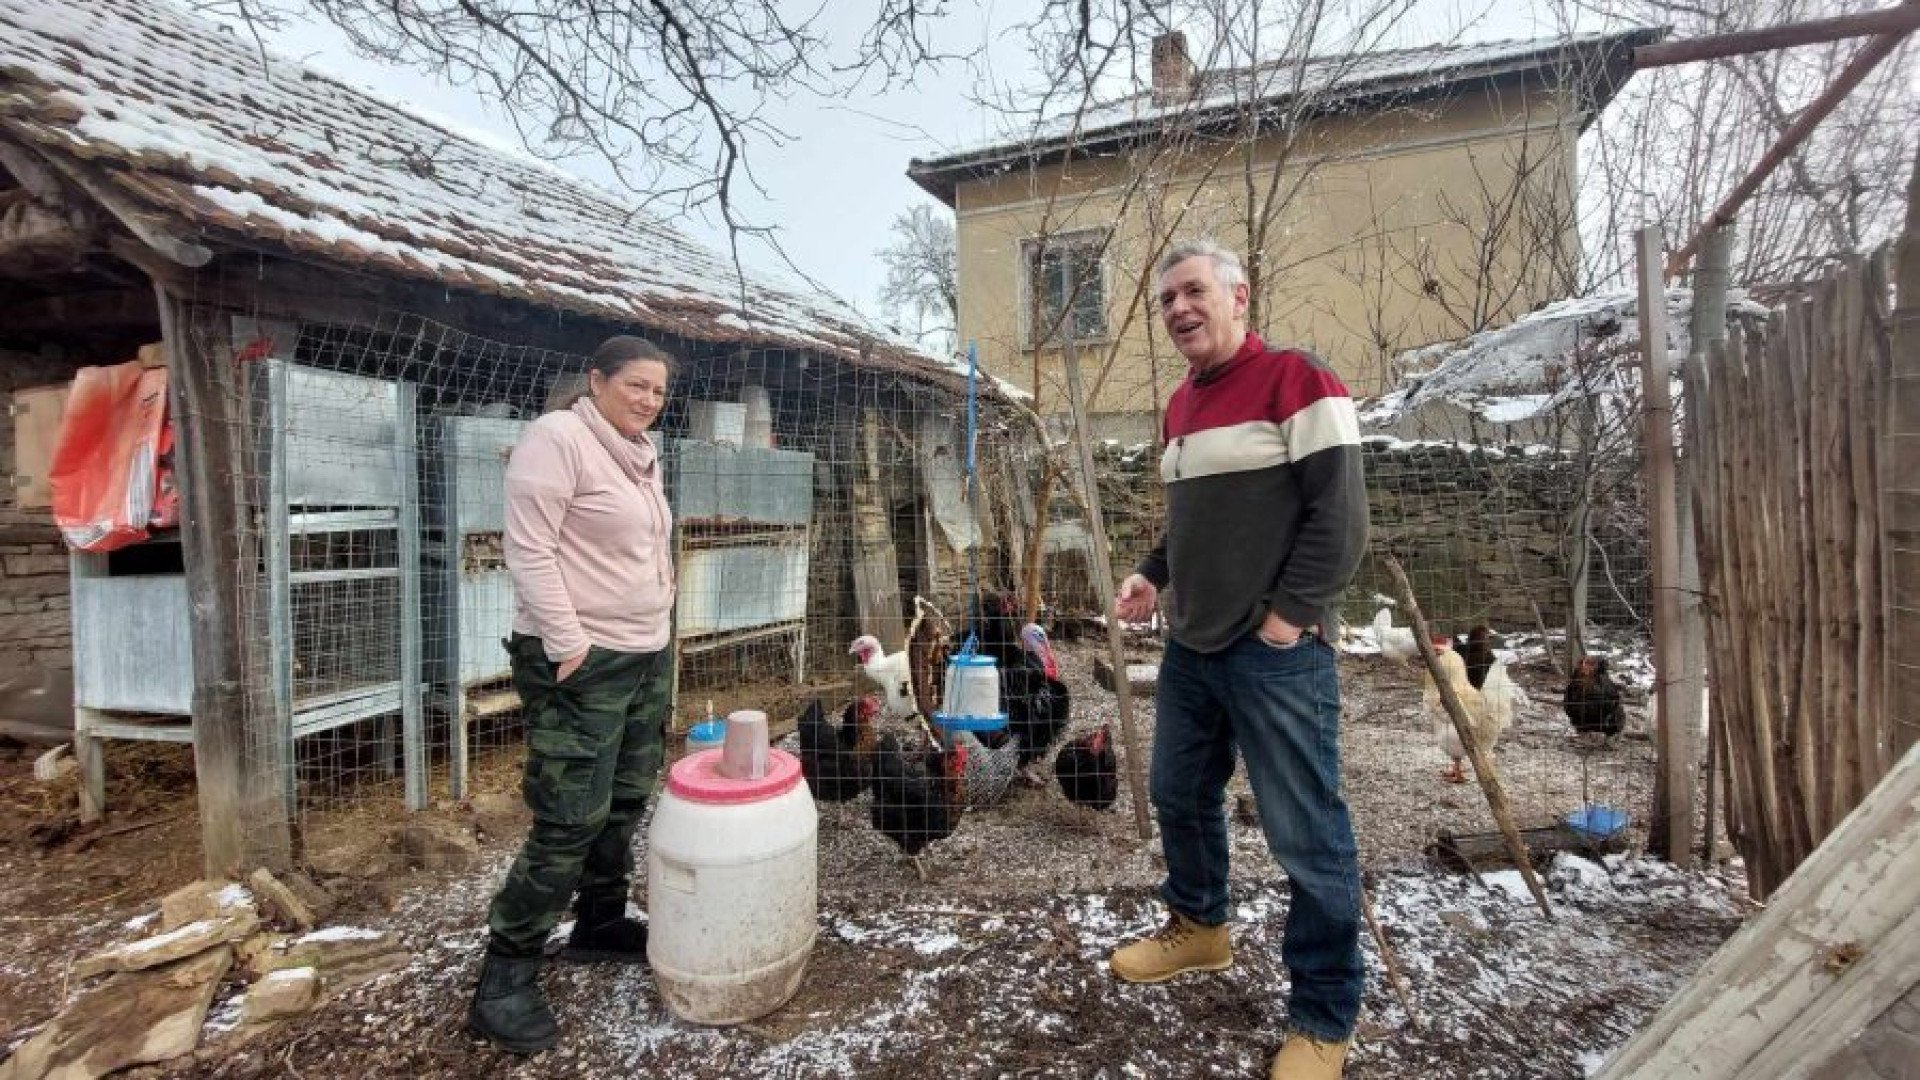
1180 946
1305 1058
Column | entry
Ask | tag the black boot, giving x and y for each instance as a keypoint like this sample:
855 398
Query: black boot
602 933
508 1009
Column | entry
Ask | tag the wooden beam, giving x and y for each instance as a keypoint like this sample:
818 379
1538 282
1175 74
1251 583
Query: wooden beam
1836 945
1893 20
102 308
1810 117
152 229
237 743
33 173
1672 826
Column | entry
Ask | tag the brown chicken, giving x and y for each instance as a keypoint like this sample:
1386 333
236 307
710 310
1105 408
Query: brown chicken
835 758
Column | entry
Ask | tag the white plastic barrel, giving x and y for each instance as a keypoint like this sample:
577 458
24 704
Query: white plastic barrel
731 889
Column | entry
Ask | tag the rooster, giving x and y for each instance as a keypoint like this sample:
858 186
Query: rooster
914 805
835 757
1592 700
1504 697
1477 650
1088 771
1480 719
891 672
1396 642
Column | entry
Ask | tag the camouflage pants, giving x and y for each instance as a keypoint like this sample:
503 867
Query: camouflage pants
593 756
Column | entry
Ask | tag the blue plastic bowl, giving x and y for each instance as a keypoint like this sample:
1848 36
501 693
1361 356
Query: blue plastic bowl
1597 821
706 735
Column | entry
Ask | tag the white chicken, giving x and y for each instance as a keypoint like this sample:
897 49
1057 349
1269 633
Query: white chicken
1480 716
891 672
1396 642
1505 698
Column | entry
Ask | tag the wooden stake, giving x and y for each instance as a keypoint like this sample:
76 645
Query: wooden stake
1104 585
1671 829
1392 965
1483 768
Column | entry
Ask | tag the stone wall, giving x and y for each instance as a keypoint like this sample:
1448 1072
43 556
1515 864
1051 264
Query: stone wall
1479 530
35 625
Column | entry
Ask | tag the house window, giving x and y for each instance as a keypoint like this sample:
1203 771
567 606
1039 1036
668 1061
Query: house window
1065 274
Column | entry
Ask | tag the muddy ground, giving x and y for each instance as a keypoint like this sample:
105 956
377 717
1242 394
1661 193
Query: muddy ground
992 967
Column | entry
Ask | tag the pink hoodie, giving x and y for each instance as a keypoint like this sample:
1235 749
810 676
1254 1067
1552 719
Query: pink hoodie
588 536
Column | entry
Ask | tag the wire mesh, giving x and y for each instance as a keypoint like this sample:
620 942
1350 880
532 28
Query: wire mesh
820 500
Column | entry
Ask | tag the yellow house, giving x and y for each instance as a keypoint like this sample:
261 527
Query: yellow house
1391 199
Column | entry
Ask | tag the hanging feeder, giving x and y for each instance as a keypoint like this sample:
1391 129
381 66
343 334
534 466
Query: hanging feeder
972 698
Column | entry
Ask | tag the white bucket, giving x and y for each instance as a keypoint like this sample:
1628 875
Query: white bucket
731 889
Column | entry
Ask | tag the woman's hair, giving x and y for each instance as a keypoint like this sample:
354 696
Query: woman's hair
622 349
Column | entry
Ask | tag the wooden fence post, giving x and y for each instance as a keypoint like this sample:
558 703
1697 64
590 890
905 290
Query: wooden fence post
1900 481
1671 827
1708 328
237 754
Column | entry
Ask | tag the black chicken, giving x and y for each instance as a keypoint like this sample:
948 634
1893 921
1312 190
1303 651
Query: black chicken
917 803
1477 650
1592 700
835 758
1089 771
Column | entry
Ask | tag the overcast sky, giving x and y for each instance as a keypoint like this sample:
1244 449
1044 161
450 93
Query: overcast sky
835 187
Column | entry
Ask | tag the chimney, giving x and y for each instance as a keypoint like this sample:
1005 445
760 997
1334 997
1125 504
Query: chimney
1174 79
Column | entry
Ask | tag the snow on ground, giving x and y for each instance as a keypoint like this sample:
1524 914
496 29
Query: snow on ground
919 986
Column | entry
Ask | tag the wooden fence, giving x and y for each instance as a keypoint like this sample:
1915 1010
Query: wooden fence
1790 427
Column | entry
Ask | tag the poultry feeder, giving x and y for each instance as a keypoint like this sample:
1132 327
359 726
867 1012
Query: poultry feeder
1597 821
972 699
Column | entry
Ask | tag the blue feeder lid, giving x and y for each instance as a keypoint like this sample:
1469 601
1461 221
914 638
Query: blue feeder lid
1597 821
707 731
968 659
948 722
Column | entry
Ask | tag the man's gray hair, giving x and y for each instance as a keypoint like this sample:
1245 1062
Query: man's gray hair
1226 265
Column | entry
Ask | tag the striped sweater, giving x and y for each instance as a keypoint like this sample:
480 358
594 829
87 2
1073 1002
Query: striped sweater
1266 505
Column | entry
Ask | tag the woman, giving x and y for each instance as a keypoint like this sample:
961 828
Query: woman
587 546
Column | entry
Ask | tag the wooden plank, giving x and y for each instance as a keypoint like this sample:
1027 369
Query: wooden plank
1893 20
1746 1012
876 573
238 746
37 412
1901 470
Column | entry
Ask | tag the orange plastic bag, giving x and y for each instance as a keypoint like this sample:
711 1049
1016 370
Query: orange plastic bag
115 443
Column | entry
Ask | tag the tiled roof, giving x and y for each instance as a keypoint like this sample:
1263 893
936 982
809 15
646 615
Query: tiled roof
187 120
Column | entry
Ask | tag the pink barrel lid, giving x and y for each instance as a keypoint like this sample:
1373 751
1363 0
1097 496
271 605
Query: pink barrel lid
697 777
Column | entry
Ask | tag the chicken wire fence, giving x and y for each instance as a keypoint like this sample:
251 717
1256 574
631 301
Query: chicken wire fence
818 503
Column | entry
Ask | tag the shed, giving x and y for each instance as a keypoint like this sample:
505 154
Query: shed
344 291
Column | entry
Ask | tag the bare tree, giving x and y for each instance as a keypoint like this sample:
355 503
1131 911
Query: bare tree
923 274
671 94
1680 138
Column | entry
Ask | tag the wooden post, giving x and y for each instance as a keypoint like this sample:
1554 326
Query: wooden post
236 741
1104 585
1900 492
1671 827
1483 767
1707 329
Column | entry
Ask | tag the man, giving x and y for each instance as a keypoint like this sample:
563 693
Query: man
1266 523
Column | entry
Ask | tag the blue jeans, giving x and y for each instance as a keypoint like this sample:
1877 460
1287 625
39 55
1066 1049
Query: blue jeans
1282 708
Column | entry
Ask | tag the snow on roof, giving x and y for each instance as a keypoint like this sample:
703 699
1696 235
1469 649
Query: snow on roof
1514 373
184 118
1397 72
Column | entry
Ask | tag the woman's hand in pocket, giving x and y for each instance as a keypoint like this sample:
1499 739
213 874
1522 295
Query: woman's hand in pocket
568 666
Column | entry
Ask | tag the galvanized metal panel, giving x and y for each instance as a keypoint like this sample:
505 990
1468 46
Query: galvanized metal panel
735 588
486 617
470 472
339 438
707 481
132 646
